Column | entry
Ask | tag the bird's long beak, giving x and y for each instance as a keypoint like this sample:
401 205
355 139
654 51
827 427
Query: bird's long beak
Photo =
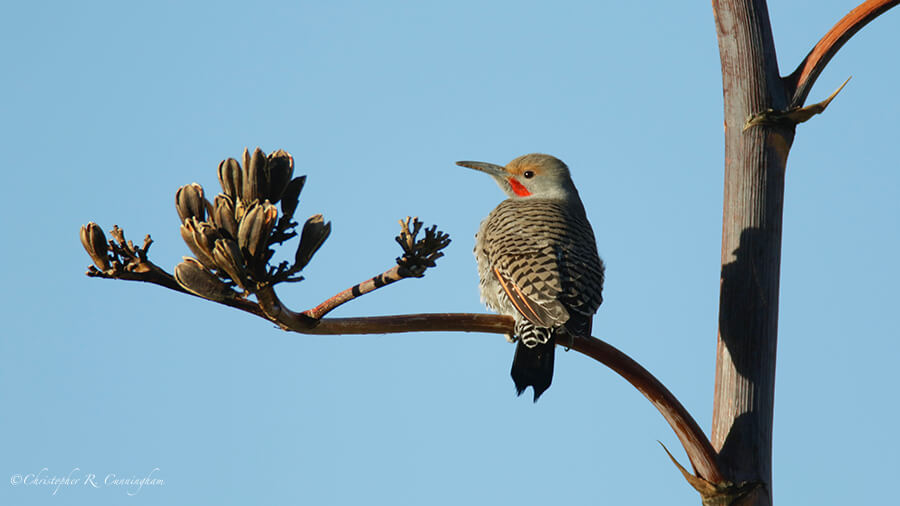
489 168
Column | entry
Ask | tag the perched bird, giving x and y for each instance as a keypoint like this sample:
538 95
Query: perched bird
537 260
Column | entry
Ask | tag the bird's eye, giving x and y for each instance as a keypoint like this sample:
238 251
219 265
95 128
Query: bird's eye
528 174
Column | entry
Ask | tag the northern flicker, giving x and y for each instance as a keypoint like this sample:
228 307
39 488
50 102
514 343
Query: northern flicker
538 262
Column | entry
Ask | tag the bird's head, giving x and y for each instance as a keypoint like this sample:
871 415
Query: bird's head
534 175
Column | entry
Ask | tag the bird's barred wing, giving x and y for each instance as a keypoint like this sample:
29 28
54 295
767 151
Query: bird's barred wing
548 282
582 273
531 310
531 281
544 256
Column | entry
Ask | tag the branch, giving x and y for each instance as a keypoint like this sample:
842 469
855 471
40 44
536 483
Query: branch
422 322
418 256
695 443
390 276
131 264
270 307
800 82
231 239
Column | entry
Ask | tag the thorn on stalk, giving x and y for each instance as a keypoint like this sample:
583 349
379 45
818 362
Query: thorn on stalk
792 116
714 494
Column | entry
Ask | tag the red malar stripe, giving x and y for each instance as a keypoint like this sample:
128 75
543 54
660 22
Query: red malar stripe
519 188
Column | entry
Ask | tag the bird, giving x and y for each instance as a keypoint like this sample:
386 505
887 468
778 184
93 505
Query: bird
538 262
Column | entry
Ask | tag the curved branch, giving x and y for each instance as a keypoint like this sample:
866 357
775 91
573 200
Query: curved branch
802 79
131 263
695 443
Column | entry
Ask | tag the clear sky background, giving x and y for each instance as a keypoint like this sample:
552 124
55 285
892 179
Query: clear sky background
108 107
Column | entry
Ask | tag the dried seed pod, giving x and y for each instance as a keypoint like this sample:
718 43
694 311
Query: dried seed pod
230 178
255 181
227 255
280 166
195 278
224 215
200 237
241 207
255 227
245 157
190 203
94 241
205 235
315 231
290 197
245 225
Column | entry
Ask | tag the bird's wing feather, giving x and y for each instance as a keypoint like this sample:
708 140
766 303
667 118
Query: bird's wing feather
532 285
544 256
582 272
533 311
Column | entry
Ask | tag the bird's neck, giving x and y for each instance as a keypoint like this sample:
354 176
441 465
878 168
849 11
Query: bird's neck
562 195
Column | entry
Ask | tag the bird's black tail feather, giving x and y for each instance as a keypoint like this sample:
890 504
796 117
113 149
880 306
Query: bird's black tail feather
533 367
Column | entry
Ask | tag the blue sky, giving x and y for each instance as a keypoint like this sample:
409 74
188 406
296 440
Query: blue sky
108 107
